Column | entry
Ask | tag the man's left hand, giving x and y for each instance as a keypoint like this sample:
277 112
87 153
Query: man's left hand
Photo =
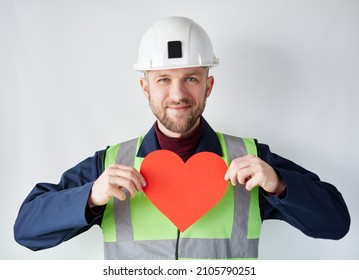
252 171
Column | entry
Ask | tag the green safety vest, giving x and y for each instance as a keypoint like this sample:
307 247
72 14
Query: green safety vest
136 229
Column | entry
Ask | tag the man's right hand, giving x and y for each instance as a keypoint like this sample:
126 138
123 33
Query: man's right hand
113 181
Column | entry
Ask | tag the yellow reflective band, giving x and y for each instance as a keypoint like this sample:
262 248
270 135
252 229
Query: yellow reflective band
108 224
254 219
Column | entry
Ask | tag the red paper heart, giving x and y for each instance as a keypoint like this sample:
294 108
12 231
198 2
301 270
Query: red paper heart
184 192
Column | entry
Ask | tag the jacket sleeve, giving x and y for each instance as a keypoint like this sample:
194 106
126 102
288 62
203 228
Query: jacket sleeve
314 207
53 213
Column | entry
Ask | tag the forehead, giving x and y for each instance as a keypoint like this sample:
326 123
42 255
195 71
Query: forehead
178 72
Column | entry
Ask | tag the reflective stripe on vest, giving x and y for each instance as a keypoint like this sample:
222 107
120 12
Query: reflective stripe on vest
136 229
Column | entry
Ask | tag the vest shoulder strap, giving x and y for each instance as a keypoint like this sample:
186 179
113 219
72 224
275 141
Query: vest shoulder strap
238 146
123 153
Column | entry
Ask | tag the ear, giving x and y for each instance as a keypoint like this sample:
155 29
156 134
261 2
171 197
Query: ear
210 82
144 86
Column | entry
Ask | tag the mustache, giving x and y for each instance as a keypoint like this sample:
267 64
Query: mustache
185 102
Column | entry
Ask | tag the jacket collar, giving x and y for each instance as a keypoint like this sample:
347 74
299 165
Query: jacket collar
209 142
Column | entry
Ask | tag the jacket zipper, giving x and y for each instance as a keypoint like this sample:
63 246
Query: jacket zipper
177 244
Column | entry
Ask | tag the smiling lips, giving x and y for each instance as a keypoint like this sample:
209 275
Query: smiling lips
179 106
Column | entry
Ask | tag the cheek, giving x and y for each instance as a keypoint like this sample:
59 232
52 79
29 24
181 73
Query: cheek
156 99
200 95
159 95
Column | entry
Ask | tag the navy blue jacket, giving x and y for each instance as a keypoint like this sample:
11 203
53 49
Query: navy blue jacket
53 213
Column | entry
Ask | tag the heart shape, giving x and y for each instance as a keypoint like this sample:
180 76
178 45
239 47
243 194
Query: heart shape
184 192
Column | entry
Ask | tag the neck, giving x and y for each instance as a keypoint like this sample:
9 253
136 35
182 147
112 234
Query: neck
186 146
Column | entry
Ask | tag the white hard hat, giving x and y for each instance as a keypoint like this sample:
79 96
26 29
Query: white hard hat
175 42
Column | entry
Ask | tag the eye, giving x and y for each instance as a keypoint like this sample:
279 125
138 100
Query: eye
192 79
163 80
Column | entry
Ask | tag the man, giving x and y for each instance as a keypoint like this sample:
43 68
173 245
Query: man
107 189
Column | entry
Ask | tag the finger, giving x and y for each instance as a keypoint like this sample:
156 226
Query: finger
131 174
231 176
245 174
133 171
123 182
239 171
119 193
252 183
237 164
231 173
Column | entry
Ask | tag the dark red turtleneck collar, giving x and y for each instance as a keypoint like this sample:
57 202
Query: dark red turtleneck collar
184 147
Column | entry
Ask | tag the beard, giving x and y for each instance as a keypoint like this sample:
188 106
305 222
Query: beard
182 123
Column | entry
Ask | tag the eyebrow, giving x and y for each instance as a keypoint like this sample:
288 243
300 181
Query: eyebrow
165 75
160 75
193 73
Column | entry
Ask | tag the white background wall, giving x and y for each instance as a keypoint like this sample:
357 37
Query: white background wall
289 76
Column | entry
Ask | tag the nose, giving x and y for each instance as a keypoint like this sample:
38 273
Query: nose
177 91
